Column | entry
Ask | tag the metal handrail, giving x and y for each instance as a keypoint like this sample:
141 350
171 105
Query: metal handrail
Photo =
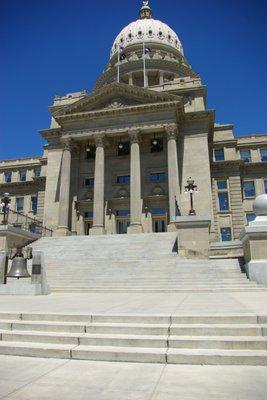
26 223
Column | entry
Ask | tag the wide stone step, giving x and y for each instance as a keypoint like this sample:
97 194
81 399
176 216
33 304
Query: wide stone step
163 290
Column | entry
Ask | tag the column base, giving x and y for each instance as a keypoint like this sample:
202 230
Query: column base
135 228
97 230
62 231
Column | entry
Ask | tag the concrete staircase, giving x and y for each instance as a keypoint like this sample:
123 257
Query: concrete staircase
175 339
134 263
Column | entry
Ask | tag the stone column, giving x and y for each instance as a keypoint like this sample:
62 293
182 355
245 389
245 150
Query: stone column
173 177
99 183
135 187
64 194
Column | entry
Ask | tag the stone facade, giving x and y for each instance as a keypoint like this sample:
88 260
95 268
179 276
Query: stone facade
117 160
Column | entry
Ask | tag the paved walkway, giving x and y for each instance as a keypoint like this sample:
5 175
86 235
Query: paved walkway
138 303
24 378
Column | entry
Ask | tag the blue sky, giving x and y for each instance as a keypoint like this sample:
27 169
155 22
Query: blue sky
59 46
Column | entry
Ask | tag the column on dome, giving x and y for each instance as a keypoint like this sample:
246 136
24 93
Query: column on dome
173 172
135 185
64 193
99 187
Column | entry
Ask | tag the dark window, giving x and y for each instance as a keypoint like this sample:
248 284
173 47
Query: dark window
123 179
156 145
123 148
89 182
33 227
37 172
226 234
219 154
245 155
263 154
123 213
8 176
22 175
19 204
249 189
222 184
90 151
265 186
250 217
158 211
223 201
88 214
157 177
34 204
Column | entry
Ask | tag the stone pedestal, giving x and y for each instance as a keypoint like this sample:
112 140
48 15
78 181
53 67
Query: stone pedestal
254 240
35 286
193 235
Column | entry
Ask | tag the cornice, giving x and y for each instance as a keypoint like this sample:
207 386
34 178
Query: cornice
226 143
226 164
35 182
120 111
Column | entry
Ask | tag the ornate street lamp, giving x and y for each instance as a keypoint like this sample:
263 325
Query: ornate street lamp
191 188
5 203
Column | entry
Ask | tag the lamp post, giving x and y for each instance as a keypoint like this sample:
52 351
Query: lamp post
191 188
5 203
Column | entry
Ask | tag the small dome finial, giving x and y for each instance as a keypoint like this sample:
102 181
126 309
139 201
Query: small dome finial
145 11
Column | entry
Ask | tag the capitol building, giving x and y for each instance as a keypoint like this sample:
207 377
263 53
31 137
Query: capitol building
118 160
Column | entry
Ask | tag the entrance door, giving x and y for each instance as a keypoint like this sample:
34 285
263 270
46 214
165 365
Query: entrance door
88 226
159 225
122 225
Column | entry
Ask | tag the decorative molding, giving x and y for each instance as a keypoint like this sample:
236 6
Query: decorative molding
171 131
134 135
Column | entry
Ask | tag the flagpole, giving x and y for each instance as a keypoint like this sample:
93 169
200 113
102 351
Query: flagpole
144 64
118 66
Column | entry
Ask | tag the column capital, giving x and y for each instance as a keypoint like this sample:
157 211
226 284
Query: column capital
134 135
99 140
171 131
66 143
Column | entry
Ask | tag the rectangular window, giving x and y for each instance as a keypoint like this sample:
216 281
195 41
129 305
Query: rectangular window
158 211
123 213
219 154
245 155
19 204
157 177
89 182
263 154
8 176
123 148
34 204
90 151
36 172
88 214
222 184
249 189
265 187
226 234
250 217
22 175
223 201
156 145
123 180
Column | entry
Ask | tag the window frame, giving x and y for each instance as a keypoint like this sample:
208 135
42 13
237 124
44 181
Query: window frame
231 233
22 175
32 209
163 173
244 193
16 202
9 173
126 182
89 179
248 159
263 149
222 192
214 154
250 213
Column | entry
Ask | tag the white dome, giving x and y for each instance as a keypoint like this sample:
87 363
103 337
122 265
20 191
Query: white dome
147 30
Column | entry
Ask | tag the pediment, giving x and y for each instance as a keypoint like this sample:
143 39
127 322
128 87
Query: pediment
114 96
